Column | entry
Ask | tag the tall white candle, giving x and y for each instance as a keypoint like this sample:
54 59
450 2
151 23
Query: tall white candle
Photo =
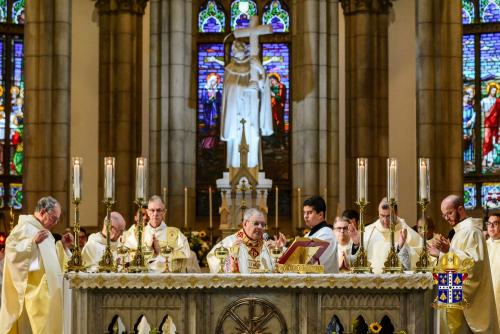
185 207
393 183
140 179
109 178
210 206
76 179
423 170
362 168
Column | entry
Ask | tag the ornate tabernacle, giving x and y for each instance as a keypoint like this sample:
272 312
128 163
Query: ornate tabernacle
250 303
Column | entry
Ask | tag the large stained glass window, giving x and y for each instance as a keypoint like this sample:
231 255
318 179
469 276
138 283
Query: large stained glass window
212 54
481 102
12 15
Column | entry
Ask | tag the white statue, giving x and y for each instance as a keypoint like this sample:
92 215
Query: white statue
244 79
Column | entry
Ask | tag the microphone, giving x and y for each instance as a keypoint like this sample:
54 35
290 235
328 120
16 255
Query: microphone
265 236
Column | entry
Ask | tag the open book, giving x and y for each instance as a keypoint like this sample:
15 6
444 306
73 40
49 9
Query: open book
304 251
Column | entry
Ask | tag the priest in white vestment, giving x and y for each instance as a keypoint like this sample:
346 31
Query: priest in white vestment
377 240
314 217
467 243
344 243
493 243
33 276
157 236
248 251
96 243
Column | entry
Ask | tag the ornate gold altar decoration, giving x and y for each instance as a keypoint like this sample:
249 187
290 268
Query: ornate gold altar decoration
301 257
450 275
361 264
75 263
424 261
107 263
251 316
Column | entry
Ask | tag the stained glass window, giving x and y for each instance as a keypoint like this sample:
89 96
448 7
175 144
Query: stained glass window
240 13
3 11
490 195
467 11
211 57
470 196
276 14
212 18
18 12
12 102
469 114
489 10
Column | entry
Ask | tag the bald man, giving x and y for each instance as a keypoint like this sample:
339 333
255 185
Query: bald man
467 243
96 244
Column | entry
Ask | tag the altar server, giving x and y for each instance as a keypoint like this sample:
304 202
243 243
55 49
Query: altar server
96 245
247 247
467 243
314 217
33 278
340 228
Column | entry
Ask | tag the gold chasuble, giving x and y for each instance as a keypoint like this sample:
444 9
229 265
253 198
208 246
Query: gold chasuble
480 316
494 253
32 281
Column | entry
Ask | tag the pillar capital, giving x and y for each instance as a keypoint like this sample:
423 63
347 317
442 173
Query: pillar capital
128 6
352 7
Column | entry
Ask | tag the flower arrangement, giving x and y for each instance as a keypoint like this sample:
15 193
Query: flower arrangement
375 327
200 243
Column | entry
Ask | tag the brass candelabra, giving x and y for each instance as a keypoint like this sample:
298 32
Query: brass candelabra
75 263
392 264
107 263
424 262
361 264
138 264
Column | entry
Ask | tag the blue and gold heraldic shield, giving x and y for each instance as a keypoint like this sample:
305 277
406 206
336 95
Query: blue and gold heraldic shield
450 287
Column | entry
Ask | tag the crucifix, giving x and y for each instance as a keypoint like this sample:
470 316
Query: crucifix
253 32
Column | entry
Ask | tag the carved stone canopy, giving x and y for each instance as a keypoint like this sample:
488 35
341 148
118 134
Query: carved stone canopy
352 7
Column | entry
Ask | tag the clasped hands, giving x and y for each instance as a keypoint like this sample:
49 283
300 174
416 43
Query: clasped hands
355 236
438 244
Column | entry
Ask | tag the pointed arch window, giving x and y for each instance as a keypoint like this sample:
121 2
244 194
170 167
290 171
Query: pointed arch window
211 57
11 102
481 103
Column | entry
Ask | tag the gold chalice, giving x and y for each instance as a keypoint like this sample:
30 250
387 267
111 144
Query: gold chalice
221 253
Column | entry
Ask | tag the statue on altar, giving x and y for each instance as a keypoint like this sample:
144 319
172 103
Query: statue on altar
247 96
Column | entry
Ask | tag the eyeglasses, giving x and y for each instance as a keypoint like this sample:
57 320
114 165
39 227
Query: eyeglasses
342 229
156 210
448 214
494 224
53 218
257 223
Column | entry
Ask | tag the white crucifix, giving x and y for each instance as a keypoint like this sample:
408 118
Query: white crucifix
253 32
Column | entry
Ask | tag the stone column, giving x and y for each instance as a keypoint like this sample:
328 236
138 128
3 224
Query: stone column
439 98
47 116
172 146
315 111
367 112
120 66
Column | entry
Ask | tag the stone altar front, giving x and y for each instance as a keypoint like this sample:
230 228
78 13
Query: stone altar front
252 303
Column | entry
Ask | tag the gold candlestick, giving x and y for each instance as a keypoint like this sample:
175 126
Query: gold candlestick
361 264
138 264
392 264
107 263
424 262
75 263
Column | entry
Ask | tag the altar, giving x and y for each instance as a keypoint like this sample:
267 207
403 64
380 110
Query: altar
252 303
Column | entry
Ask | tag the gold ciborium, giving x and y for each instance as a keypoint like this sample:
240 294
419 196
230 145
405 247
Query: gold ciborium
221 253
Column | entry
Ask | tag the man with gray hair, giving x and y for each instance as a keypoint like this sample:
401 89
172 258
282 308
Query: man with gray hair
33 276
248 249
158 236
96 245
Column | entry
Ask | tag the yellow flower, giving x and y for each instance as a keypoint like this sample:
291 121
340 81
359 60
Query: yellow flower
375 327
202 234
